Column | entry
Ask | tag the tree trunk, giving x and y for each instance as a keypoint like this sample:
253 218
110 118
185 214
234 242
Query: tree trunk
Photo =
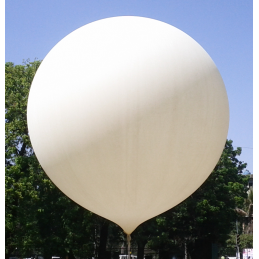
141 247
185 250
163 254
70 255
103 240
200 249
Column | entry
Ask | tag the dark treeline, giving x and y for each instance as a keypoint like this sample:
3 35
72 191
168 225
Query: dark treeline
41 220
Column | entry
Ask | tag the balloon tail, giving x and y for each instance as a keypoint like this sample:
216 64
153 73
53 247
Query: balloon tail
128 241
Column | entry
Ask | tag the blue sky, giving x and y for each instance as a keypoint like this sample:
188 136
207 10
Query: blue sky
223 28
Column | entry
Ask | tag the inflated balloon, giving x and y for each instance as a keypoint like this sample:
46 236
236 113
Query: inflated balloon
128 116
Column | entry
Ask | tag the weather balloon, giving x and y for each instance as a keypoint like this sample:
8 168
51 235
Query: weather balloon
128 116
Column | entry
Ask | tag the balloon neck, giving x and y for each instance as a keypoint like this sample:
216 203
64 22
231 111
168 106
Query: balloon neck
128 241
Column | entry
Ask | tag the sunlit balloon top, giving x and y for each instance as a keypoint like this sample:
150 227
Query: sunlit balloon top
128 116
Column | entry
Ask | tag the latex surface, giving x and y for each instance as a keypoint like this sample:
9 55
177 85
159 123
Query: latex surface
128 116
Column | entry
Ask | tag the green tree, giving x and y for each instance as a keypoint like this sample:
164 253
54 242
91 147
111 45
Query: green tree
143 234
248 204
246 241
207 216
247 207
39 218
23 173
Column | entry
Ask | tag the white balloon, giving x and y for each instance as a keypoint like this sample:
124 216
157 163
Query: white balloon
128 116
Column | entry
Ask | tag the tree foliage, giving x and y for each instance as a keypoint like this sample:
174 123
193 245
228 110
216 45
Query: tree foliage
23 174
207 215
42 220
